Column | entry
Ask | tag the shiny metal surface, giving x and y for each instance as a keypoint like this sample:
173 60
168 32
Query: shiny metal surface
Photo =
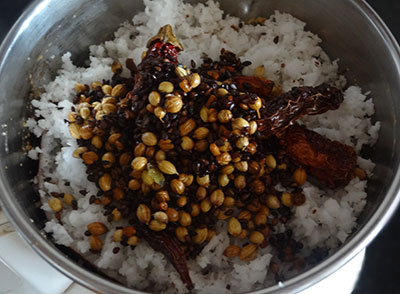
350 29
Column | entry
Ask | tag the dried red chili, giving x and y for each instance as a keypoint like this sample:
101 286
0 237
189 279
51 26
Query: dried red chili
257 85
281 112
172 250
331 162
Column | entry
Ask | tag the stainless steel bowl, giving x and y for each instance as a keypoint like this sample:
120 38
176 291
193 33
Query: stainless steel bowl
351 31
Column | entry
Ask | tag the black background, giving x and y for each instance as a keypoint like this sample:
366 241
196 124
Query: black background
381 271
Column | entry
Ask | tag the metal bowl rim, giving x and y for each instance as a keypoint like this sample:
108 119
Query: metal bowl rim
38 242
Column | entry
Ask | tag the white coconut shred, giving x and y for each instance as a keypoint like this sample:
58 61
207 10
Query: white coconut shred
325 220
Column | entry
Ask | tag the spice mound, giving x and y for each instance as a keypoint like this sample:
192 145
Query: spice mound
175 150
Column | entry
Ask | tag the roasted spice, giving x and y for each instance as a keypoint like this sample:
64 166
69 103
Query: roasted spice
95 243
55 204
234 227
97 228
232 251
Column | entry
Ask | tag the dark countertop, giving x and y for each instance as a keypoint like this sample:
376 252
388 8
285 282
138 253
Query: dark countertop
381 272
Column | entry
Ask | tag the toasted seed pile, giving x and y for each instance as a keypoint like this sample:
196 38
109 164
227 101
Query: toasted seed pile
181 154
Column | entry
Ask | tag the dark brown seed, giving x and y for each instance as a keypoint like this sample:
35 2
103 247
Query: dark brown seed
257 187
229 212
298 199
74 204
55 194
245 196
